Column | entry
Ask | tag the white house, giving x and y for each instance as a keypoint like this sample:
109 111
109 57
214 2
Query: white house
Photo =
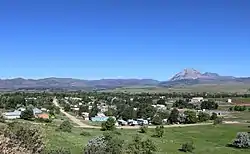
12 115
197 99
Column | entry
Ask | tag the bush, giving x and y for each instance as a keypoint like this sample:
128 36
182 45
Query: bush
143 129
83 133
159 131
108 125
107 143
2 120
187 147
57 151
43 120
65 126
21 138
218 120
139 146
242 140
117 132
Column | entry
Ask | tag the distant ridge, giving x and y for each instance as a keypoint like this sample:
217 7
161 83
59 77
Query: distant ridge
186 77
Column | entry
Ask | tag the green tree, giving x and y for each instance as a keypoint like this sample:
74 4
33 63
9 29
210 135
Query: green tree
202 116
159 131
65 126
214 116
156 120
218 120
27 114
190 117
164 114
209 105
67 108
173 117
108 125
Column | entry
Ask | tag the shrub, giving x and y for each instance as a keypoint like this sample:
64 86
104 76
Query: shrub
83 133
242 140
159 131
2 120
187 147
218 120
143 129
43 120
117 132
108 125
107 143
57 151
65 126
139 146
21 138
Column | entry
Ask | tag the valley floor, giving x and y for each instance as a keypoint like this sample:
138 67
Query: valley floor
207 139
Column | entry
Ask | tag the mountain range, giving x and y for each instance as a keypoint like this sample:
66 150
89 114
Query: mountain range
185 77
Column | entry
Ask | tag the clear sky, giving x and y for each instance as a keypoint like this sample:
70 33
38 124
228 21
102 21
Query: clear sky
92 39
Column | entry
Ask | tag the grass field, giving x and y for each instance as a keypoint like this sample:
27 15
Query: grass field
194 88
207 139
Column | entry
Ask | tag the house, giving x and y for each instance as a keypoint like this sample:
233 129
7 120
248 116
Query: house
12 115
43 116
197 99
100 117
85 115
37 111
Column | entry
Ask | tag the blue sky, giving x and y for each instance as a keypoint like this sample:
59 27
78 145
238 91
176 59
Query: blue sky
92 39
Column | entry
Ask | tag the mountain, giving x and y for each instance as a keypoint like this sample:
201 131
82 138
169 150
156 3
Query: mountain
69 83
192 77
184 78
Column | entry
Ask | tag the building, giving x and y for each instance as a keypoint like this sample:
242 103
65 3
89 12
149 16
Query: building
197 99
229 100
12 115
37 111
100 117
43 116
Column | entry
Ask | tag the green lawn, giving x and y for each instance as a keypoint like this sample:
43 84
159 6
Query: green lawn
207 139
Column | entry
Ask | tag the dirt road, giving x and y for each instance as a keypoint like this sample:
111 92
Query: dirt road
73 118
83 125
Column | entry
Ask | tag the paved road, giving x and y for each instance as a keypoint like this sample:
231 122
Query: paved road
83 125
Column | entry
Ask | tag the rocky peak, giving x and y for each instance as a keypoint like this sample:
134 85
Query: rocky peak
188 73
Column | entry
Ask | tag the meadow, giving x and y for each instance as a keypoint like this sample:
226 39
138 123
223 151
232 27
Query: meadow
239 88
207 139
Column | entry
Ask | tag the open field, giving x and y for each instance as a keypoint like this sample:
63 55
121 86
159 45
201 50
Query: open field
207 139
194 88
